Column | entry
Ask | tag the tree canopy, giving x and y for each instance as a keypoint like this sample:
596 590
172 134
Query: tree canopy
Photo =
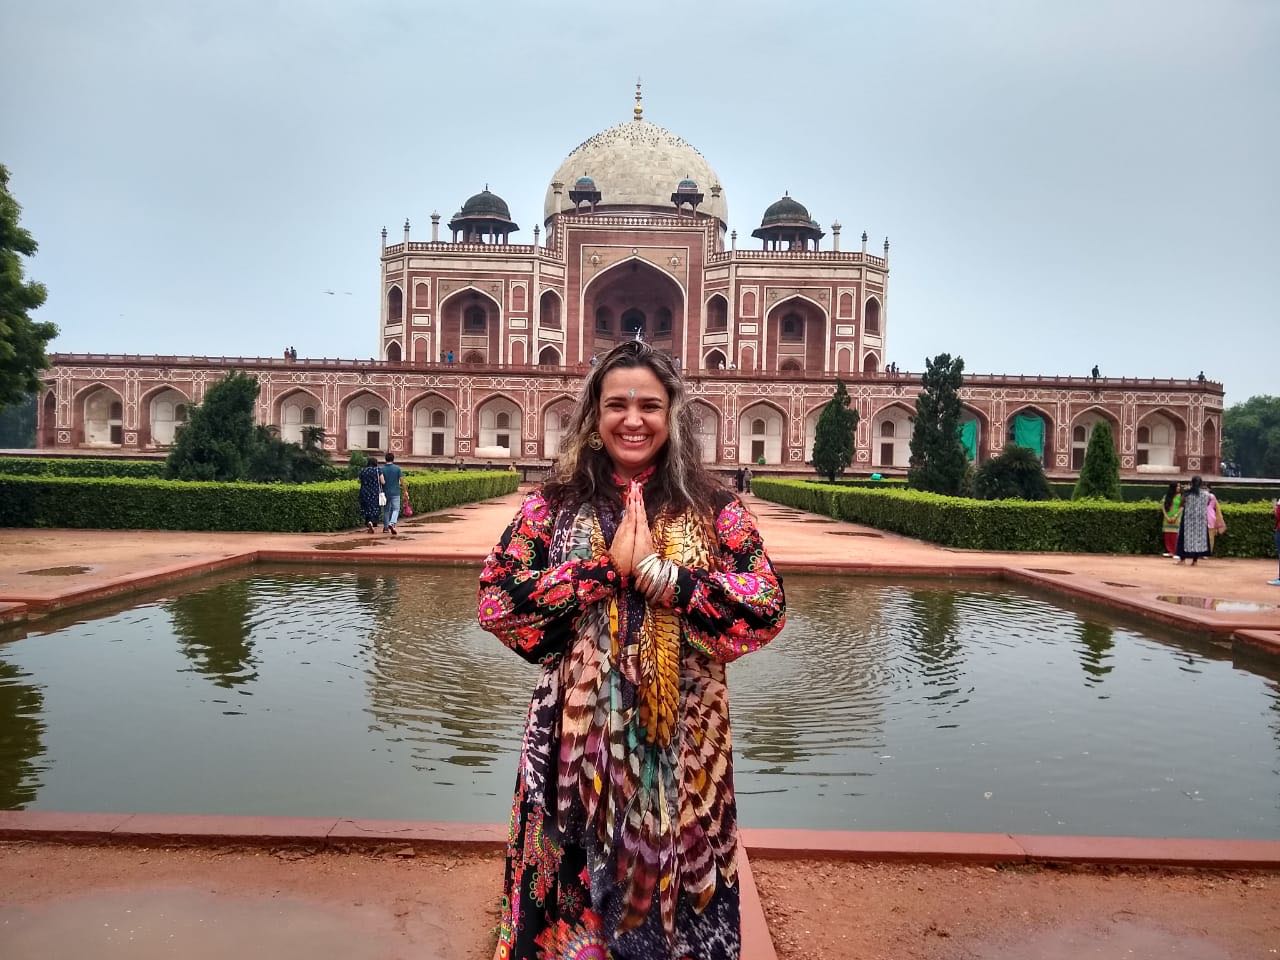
1100 475
938 460
22 340
833 440
1251 436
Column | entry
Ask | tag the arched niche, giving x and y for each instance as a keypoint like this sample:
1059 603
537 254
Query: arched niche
434 422
761 429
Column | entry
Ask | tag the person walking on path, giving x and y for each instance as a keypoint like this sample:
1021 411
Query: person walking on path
632 577
1217 524
370 485
1276 581
1193 533
391 475
1171 517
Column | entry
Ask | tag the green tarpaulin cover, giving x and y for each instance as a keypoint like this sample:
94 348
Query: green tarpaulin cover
1028 432
968 433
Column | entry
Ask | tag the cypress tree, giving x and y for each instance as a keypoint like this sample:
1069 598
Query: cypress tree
22 340
938 459
833 439
1100 475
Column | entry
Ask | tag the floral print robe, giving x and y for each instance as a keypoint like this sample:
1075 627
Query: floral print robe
541 594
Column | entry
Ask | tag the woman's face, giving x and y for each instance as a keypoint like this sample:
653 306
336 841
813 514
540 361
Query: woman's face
633 418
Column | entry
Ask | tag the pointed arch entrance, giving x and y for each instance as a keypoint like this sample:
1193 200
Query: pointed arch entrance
628 297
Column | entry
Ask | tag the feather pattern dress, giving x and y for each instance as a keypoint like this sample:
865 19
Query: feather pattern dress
623 832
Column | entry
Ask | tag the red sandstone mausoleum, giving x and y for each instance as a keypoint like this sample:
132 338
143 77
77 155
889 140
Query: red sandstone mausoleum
484 342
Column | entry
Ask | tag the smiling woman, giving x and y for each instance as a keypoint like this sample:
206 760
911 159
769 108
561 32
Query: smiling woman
632 577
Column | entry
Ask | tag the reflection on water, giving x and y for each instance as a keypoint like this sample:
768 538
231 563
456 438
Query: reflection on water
371 692
1096 641
21 727
213 628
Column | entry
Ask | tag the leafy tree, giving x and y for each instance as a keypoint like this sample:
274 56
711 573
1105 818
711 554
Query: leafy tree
833 440
1251 436
938 459
1016 474
1100 475
18 425
219 439
22 341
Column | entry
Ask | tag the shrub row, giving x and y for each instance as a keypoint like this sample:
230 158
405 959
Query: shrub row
1147 492
1081 526
126 503
79 467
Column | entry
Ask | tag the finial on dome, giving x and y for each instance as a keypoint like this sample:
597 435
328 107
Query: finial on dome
639 107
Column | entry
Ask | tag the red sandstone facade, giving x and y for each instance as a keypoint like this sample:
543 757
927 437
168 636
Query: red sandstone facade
484 343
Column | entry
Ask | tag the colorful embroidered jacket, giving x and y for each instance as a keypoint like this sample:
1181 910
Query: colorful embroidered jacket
620 839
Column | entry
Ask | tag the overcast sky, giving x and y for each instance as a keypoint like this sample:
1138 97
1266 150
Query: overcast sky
1063 183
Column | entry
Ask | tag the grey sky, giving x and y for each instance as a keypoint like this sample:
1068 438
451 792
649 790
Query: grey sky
1063 184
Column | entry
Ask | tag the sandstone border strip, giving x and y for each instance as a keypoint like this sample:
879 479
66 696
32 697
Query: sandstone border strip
165 830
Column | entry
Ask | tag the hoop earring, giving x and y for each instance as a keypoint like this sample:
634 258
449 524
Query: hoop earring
594 440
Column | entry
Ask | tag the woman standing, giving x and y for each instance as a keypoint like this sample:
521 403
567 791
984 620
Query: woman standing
370 486
1193 534
1171 518
632 577
1213 517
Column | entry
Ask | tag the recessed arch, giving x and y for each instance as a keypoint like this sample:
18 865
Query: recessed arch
557 424
797 328
1015 428
871 316
49 419
762 429
393 352
295 410
434 418
638 295
464 306
163 409
500 420
981 438
551 305
714 360
706 430
1161 439
395 303
1082 424
716 311
891 429
364 419
870 364
103 416
549 356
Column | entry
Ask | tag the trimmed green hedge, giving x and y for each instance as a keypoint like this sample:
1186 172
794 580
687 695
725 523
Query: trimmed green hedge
1148 492
79 467
1081 526
125 503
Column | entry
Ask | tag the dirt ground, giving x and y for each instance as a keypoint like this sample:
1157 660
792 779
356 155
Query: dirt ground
114 902
918 912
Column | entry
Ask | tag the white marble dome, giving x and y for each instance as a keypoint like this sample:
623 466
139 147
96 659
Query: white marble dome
637 163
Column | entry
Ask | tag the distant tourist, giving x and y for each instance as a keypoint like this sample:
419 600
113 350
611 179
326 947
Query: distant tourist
293 353
746 479
1276 581
370 488
739 479
391 475
624 792
1214 518
1096 372
1201 377
406 507
1193 534
1171 518
449 357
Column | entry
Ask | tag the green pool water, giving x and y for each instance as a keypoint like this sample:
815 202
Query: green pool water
370 692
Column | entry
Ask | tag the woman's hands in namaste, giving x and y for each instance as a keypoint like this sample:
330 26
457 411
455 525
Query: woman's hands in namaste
633 539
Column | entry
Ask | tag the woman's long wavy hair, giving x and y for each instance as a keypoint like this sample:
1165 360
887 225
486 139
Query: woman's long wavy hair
680 482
